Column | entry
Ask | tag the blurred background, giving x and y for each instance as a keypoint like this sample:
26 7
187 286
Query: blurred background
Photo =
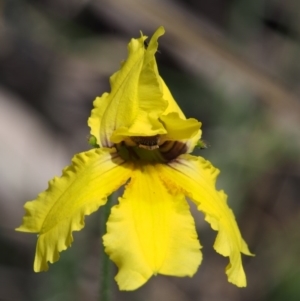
233 64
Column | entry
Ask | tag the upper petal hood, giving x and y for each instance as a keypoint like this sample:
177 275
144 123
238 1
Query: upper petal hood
138 98
135 91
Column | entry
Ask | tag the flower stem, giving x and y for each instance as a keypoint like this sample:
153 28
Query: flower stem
106 273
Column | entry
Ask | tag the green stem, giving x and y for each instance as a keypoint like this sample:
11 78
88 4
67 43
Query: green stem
106 273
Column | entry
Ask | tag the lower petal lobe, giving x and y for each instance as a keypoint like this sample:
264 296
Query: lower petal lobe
151 232
82 188
196 178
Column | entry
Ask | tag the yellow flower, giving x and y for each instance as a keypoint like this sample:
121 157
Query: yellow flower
144 140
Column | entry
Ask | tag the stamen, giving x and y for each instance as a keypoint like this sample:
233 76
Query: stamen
149 143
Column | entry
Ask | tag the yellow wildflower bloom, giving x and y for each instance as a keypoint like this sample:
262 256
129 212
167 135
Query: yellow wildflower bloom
144 140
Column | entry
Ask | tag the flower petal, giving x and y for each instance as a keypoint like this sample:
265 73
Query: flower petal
151 232
82 188
178 128
174 110
119 107
151 103
172 104
196 177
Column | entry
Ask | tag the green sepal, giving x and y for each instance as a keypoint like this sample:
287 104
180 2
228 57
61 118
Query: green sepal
202 144
93 141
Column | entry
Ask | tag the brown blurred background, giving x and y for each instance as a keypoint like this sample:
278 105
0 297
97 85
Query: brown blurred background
233 64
